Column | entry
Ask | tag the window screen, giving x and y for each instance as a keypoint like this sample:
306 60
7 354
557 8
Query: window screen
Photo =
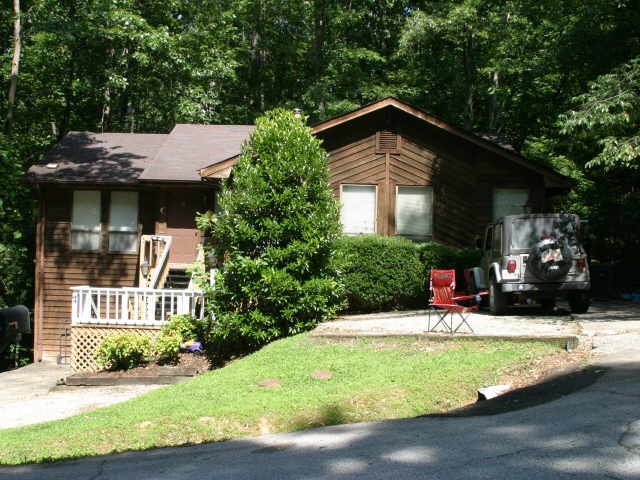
509 201
123 222
85 220
414 211
358 213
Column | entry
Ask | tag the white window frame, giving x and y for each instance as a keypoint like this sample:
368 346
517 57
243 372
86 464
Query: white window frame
86 220
375 209
513 209
124 225
415 235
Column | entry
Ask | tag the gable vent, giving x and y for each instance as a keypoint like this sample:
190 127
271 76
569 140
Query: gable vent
387 141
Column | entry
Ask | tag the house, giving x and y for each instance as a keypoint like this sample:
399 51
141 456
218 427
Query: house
117 210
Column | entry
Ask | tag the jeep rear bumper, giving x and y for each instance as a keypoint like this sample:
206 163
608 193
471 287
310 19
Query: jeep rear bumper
544 287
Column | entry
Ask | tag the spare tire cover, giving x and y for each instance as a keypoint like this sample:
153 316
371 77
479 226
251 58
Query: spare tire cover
550 259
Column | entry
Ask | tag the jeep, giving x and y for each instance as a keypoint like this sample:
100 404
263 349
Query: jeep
533 257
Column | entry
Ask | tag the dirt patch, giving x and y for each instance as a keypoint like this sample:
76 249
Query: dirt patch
187 361
270 383
189 365
538 369
321 374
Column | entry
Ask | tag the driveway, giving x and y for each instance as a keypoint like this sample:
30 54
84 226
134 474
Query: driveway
30 395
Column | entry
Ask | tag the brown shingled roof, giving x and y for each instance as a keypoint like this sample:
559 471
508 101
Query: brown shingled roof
189 148
98 157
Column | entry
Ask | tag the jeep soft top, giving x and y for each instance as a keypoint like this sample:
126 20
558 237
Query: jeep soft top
537 257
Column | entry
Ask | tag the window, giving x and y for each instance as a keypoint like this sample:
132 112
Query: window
123 222
414 212
509 201
86 224
496 244
85 220
358 213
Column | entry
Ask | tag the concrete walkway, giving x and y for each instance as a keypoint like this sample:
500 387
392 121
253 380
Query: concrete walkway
29 395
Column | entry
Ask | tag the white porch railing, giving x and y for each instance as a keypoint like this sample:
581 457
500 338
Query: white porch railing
133 306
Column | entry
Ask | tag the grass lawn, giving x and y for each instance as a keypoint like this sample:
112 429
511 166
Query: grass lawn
372 379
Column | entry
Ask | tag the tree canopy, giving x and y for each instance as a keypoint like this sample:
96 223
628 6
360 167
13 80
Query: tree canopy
556 78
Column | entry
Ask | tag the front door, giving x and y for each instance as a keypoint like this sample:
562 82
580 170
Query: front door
181 224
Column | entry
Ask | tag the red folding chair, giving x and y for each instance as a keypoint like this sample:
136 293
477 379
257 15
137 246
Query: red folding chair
444 303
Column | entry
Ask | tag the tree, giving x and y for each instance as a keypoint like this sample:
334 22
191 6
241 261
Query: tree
275 231
15 65
609 114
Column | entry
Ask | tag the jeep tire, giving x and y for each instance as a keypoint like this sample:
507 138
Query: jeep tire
548 304
579 302
497 299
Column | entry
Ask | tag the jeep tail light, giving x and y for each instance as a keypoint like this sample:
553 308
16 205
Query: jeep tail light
511 266
581 263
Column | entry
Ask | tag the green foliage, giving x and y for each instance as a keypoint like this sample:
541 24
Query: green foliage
179 329
509 68
16 220
435 255
184 327
123 351
166 348
387 273
276 229
380 273
609 113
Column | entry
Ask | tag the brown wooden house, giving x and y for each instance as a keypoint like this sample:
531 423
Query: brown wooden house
395 169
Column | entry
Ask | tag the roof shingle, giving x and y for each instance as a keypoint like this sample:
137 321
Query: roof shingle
98 157
188 148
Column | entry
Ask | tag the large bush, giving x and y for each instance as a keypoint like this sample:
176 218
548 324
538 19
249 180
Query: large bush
380 273
437 256
387 273
275 231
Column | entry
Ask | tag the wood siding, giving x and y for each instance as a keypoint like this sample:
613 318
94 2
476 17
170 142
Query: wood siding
61 268
58 268
463 178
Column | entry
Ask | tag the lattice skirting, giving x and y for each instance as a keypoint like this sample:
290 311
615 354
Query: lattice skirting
86 338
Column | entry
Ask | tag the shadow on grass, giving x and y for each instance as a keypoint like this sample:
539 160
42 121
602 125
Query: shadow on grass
548 390
326 416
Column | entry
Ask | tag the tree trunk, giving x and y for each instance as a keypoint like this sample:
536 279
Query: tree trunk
320 30
493 107
470 77
15 66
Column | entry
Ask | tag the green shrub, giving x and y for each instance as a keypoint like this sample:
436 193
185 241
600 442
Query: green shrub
275 231
380 273
185 327
178 330
385 273
123 351
167 349
437 256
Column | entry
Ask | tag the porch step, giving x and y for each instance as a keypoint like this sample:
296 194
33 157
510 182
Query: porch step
178 279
